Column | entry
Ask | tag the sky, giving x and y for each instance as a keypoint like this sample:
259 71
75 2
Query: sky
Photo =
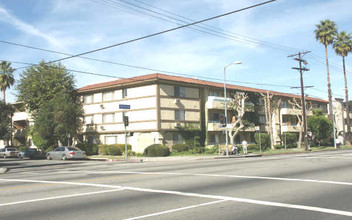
262 38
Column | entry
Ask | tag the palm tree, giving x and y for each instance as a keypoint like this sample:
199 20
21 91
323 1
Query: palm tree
325 33
6 78
342 46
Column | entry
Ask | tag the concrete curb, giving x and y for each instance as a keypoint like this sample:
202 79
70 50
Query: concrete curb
184 158
238 156
3 170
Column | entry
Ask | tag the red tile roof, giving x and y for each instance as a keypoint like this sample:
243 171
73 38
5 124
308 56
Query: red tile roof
158 76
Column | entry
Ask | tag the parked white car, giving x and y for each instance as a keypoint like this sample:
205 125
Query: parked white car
8 152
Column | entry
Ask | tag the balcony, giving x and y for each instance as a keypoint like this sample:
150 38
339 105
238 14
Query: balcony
288 127
216 126
20 116
215 102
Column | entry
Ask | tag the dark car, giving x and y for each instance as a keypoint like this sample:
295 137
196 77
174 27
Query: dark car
32 153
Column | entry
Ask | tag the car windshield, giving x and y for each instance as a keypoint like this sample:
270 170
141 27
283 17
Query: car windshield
73 149
11 149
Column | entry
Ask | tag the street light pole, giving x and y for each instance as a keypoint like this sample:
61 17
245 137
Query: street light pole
226 130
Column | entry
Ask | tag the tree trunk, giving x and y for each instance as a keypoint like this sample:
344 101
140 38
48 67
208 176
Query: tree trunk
3 96
329 84
347 135
300 135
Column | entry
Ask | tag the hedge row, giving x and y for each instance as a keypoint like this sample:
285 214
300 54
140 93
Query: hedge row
157 150
113 149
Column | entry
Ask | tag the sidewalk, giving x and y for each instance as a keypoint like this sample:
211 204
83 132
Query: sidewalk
177 158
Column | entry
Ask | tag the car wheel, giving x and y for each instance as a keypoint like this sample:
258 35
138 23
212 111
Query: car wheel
20 157
64 157
48 157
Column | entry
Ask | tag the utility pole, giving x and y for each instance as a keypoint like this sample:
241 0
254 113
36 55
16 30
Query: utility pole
303 100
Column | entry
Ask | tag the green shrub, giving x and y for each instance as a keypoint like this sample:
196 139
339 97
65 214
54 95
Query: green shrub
264 140
22 148
291 139
90 149
131 153
198 150
104 149
114 150
212 150
156 150
193 142
122 147
179 147
278 146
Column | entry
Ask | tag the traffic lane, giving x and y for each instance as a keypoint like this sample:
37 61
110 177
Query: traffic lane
146 202
109 205
286 192
235 210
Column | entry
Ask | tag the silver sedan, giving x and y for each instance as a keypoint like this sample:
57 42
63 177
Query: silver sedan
65 153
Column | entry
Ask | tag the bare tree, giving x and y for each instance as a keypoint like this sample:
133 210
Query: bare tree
238 105
271 104
299 114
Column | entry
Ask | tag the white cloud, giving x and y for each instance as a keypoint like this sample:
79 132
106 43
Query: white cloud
24 27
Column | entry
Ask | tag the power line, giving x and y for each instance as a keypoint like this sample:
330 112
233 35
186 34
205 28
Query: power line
209 29
179 74
163 32
203 28
77 71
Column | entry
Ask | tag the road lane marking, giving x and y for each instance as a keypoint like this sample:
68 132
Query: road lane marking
197 195
176 210
226 176
58 197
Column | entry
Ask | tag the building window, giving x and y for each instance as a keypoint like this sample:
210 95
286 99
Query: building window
215 93
262 119
124 93
110 140
108 96
109 118
215 118
177 139
285 104
289 120
212 139
179 91
179 115
88 99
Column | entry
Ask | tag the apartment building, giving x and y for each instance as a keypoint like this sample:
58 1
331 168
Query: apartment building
159 105
20 122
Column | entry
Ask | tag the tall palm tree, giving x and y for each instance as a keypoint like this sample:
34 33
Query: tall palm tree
325 33
342 46
6 78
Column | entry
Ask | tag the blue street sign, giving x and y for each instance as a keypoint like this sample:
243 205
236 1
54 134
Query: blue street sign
121 106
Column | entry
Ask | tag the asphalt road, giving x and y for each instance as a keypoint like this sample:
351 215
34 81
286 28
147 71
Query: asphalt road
304 186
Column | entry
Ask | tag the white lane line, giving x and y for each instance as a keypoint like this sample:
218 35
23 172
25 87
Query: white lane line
225 176
227 198
58 197
175 210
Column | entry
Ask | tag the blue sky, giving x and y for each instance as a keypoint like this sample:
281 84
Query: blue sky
285 27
